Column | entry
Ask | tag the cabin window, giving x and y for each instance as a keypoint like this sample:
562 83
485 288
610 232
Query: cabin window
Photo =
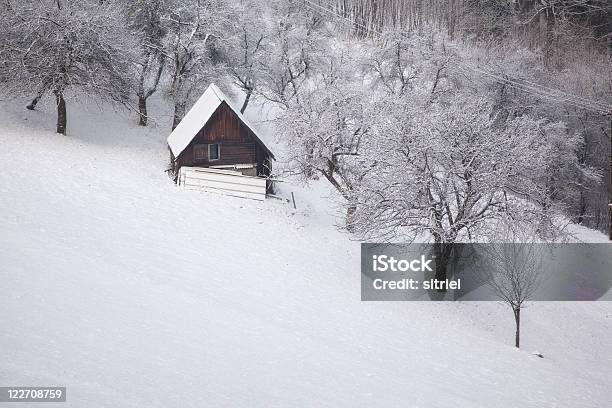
199 152
214 152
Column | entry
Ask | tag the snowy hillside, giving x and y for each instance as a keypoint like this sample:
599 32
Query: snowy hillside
133 293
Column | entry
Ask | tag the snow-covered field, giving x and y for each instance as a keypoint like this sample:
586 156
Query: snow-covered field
133 293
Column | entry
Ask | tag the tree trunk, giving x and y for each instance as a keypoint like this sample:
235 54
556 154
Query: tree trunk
545 40
246 100
61 112
517 320
142 111
32 105
350 218
441 254
179 112
582 208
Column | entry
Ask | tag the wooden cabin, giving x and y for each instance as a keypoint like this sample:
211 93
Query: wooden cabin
214 134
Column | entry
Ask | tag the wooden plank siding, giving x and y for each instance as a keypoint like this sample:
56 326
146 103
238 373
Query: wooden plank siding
230 152
237 142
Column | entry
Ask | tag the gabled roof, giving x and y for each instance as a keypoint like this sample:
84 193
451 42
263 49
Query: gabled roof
199 115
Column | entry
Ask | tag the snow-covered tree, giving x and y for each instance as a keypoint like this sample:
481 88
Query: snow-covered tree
395 61
326 128
59 46
145 20
296 43
556 171
194 26
447 171
247 50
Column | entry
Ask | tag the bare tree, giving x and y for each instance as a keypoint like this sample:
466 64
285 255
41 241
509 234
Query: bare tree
513 270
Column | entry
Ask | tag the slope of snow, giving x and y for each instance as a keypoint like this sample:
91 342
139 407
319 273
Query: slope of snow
131 293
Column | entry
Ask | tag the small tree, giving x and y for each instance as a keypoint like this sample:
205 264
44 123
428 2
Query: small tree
513 270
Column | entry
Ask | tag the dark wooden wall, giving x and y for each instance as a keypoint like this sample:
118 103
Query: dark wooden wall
237 143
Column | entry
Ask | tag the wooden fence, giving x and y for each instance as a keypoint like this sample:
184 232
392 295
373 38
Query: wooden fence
226 182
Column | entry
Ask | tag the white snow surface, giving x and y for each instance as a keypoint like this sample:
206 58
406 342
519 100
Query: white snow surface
134 293
199 114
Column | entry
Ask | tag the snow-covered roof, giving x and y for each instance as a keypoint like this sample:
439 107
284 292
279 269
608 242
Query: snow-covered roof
199 114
